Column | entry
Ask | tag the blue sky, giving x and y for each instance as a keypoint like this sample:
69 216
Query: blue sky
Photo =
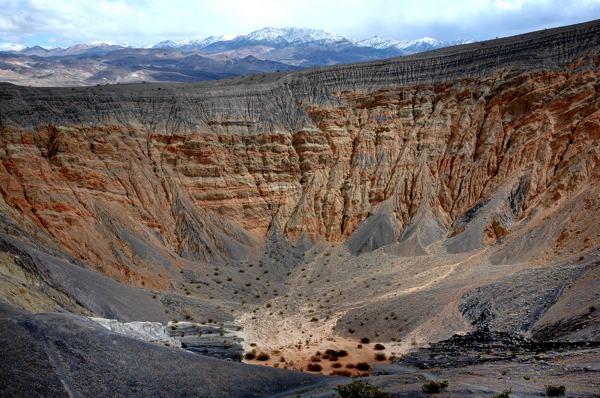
145 22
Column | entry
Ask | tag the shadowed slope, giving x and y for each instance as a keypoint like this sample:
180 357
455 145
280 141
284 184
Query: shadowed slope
71 356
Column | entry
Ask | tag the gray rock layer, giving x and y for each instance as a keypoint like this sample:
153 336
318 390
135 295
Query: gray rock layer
273 102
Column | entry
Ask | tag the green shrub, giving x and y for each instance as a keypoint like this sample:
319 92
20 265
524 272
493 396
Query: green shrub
314 367
380 356
435 387
361 389
263 356
555 391
344 373
336 353
363 366
504 394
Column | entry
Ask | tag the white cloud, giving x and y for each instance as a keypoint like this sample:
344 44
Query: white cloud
145 22
508 5
11 47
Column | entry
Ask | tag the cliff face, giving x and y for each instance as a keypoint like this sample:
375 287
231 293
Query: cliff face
139 180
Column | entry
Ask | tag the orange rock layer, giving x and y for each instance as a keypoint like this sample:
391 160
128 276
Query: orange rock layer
133 203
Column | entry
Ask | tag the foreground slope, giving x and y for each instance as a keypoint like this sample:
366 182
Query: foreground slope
70 356
404 201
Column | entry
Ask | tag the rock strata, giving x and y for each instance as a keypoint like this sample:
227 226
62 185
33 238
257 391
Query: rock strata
224 341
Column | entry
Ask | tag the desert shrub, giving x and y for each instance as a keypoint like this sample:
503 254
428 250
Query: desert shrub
363 366
434 387
336 353
336 365
344 373
365 340
315 358
263 356
555 391
380 356
350 366
361 389
249 356
379 347
313 367
504 394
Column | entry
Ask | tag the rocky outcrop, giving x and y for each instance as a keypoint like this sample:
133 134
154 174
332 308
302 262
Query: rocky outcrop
224 341
146 331
511 305
483 347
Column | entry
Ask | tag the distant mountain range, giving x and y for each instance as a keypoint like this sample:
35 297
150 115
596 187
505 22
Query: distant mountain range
285 37
214 57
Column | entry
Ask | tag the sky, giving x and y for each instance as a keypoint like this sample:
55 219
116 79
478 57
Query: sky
60 23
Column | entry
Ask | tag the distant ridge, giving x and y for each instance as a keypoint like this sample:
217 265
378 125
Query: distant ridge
281 92
214 57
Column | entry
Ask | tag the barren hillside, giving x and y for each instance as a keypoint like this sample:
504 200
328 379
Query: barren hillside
401 201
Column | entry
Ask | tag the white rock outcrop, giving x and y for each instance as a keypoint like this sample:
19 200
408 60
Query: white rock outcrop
146 331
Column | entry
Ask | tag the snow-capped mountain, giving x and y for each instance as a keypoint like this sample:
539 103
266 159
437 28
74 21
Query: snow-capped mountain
408 46
292 35
300 36
278 38
167 44
194 44
377 42
269 36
